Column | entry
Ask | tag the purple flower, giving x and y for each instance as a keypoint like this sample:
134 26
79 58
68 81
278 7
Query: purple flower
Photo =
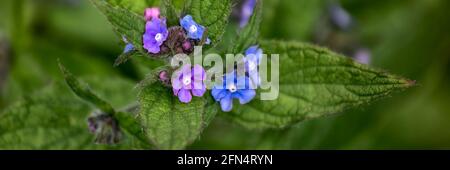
253 57
247 12
155 35
194 30
233 87
362 55
188 81
340 17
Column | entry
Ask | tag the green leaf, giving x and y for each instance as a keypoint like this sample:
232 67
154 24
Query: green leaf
134 5
125 23
132 126
315 82
169 123
126 121
84 92
285 20
124 57
44 124
249 34
53 118
213 15
168 10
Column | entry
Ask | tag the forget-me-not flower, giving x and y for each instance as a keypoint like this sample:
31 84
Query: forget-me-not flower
194 30
233 87
155 34
188 82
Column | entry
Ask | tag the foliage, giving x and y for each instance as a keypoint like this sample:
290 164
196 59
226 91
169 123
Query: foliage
41 112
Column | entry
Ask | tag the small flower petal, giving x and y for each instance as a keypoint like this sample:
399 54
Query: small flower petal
198 92
245 95
185 96
199 72
218 94
226 103
175 91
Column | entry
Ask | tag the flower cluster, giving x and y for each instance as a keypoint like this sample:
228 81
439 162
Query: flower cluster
241 87
188 81
159 39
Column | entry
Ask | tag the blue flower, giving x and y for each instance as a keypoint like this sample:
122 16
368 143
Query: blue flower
233 87
194 30
128 47
253 57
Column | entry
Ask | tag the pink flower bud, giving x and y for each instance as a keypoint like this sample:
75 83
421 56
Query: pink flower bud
163 76
187 45
151 13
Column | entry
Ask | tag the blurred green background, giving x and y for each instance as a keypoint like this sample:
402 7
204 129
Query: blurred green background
410 38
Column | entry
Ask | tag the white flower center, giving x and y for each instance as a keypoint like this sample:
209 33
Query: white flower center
232 88
193 28
158 37
186 80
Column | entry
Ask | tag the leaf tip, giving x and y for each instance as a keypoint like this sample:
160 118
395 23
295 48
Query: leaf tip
62 68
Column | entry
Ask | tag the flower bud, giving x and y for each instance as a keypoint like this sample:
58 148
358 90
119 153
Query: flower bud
105 128
187 46
177 41
164 77
151 13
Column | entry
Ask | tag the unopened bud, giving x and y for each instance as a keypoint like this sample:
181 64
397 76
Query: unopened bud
164 78
187 46
105 128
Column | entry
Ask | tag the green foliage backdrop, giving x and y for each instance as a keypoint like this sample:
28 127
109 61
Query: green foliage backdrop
409 38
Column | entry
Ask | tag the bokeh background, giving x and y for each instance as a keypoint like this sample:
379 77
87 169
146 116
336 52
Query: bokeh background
410 38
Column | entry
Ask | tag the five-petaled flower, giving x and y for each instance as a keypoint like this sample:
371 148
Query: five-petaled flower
189 80
233 87
252 59
155 34
194 30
